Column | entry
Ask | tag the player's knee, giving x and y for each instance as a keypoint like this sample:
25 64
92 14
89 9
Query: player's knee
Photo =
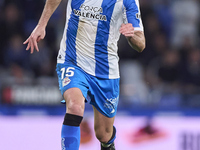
75 108
74 101
103 134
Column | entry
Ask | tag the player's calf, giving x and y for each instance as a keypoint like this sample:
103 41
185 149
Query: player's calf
70 133
110 144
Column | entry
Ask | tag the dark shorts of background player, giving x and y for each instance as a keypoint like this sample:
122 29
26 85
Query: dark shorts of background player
103 94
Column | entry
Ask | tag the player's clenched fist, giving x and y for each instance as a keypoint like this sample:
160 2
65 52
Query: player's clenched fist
37 34
127 30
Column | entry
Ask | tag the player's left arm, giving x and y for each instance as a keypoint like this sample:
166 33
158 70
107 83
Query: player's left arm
136 38
132 28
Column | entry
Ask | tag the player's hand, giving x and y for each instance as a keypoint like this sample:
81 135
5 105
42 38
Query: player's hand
127 30
37 35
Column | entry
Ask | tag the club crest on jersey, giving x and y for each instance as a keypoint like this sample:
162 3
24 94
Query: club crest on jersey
91 12
66 81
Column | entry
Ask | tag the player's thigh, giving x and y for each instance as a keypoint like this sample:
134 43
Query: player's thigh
73 87
102 123
104 95
75 101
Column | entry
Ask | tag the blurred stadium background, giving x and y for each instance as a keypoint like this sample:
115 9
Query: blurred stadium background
159 105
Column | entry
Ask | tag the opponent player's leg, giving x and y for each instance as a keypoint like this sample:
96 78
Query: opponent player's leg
75 104
104 130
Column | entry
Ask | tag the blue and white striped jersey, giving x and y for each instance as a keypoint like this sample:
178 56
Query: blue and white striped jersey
92 31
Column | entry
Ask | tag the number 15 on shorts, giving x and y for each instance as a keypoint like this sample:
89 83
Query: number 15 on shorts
67 72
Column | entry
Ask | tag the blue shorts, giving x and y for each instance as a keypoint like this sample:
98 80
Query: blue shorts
103 94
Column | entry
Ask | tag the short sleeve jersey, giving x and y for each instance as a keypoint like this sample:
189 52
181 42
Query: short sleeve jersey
92 31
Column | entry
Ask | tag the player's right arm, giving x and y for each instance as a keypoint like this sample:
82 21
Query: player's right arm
39 31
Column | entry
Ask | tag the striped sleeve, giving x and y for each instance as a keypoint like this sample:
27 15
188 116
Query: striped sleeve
132 14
